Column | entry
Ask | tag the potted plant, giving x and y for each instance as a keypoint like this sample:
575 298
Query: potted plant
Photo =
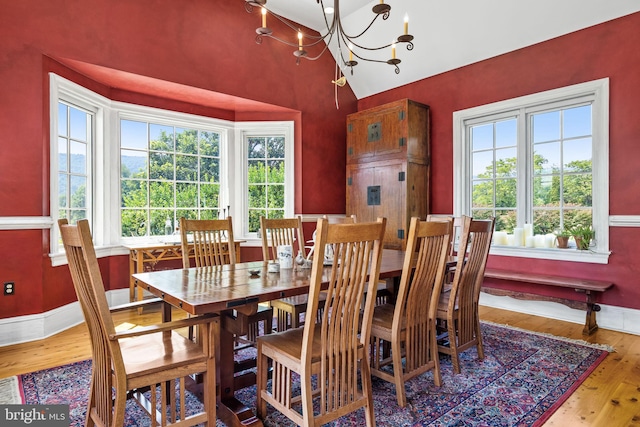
562 238
583 234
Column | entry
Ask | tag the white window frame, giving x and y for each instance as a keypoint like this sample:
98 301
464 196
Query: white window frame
599 90
105 163
246 130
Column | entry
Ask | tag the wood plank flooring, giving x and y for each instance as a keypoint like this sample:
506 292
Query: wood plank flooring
610 397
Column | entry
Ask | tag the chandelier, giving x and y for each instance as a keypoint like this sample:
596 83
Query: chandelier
350 48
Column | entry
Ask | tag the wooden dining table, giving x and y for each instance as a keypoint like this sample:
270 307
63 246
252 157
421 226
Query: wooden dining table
227 288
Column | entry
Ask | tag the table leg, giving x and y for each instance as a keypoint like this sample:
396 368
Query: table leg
230 410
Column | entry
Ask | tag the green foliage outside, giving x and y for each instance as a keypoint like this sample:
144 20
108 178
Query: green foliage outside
184 181
560 200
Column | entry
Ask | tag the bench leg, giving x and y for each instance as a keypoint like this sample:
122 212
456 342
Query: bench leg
590 325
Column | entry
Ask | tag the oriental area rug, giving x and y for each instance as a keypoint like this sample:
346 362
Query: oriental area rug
522 380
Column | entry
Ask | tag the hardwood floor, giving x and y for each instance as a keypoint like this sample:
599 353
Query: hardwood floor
610 397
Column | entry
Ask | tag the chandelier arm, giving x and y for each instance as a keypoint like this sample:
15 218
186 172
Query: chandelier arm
363 31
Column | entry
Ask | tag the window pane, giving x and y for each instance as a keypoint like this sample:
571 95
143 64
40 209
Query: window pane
62 119
62 155
161 194
276 196
62 190
276 147
546 191
506 133
505 193
276 171
506 162
546 158
210 144
257 173
133 134
133 193
209 169
546 126
161 166
483 164
482 137
161 137
78 191
256 148
78 157
577 155
159 220
577 122
133 164
186 141
506 220
482 194
254 219
186 168
577 189
186 195
257 196
546 221
209 194
78 124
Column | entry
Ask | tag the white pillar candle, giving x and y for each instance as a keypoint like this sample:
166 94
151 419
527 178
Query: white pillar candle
539 241
511 241
549 240
529 241
528 230
518 234
500 238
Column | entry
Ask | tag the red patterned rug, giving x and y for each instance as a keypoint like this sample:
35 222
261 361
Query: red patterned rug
523 379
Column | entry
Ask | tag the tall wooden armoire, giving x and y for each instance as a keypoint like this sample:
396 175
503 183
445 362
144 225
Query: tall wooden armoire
388 166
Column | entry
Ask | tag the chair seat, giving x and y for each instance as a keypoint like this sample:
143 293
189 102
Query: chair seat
288 310
289 343
152 354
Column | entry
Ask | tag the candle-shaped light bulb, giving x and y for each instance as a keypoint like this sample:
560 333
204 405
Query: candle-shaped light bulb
406 24
350 51
264 18
393 51
299 40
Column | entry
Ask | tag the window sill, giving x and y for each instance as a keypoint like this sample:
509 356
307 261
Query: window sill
570 254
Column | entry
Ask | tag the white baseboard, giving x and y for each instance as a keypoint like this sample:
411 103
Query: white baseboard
620 319
16 330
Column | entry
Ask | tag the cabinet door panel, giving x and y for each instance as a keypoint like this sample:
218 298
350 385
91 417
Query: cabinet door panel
358 181
392 203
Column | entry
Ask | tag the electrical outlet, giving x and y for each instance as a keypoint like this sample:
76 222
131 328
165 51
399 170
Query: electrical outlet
9 288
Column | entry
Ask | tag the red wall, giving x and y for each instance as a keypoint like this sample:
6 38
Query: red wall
171 54
607 50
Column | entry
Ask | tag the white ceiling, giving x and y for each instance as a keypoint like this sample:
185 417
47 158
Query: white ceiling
450 33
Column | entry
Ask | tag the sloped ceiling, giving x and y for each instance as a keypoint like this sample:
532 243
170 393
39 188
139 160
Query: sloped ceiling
448 34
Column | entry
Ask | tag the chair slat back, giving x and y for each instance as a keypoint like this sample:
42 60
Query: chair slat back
457 228
416 305
213 242
87 281
281 231
473 251
345 330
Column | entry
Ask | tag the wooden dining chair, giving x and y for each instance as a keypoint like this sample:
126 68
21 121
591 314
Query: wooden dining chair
284 231
334 351
409 324
457 316
151 358
214 245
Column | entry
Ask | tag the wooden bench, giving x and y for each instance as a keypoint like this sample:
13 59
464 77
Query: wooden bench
591 289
